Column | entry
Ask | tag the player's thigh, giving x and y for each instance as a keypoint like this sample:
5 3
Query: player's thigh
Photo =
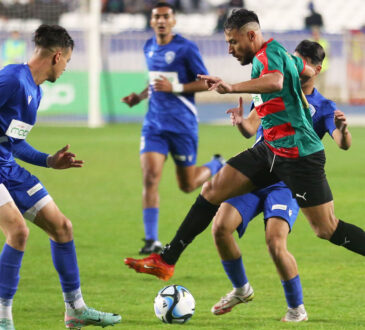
152 164
245 208
10 216
52 220
277 230
27 191
322 219
153 152
227 183
226 220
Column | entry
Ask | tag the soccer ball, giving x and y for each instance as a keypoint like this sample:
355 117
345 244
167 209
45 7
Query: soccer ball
174 304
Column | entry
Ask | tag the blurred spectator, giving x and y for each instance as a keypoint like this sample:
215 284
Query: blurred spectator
314 19
49 11
13 50
113 6
192 6
222 14
2 10
236 4
321 79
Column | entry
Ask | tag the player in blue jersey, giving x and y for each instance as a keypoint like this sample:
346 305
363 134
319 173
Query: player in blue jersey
280 209
170 124
22 195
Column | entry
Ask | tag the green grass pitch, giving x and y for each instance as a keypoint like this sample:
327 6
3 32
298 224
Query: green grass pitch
103 200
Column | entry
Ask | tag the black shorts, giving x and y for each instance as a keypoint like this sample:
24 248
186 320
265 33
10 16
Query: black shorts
304 176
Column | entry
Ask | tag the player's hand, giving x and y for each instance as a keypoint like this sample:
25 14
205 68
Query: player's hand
340 120
216 84
131 99
63 159
236 114
162 84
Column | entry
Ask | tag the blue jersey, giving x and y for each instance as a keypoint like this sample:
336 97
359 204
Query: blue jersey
322 112
19 101
180 62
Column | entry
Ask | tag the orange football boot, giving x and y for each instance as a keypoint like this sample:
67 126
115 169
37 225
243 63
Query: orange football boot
153 264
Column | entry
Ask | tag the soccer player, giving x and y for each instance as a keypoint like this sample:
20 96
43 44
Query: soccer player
276 202
171 122
291 152
22 195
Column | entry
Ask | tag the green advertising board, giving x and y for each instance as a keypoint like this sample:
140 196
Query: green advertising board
70 95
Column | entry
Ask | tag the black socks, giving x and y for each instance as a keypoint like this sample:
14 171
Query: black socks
349 236
198 218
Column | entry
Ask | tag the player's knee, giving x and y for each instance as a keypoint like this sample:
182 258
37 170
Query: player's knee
207 188
186 187
63 229
323 233
218 230
19 236
275 245
150 179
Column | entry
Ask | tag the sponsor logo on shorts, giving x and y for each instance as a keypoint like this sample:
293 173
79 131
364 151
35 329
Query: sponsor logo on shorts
181 158
279 207
18 129
34 189
301 196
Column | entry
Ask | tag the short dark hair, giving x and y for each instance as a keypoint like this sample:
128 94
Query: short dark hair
49 36
239 18
164 4
312 50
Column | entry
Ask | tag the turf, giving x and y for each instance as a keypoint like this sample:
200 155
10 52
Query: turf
103 200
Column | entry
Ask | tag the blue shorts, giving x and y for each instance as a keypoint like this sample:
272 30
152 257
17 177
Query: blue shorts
183 147
26 190
273 201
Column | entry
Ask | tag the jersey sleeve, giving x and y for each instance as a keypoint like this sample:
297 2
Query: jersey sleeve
299 63
328 120
194 60
8 87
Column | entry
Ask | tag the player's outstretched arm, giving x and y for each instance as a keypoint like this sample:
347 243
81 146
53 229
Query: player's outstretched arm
247 126
133 98
341 134
268 83
63 159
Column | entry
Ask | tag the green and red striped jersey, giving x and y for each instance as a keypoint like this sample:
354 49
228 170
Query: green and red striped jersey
284 115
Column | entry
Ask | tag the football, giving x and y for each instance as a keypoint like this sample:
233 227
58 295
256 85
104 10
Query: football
174 304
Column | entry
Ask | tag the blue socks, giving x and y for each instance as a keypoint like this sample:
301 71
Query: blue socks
214 165
10 262
293 292
65 262
235 272
150 220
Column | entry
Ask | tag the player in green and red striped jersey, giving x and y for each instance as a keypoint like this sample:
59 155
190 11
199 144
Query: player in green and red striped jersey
291 152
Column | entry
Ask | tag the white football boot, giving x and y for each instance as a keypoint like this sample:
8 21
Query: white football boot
233 298
297 314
